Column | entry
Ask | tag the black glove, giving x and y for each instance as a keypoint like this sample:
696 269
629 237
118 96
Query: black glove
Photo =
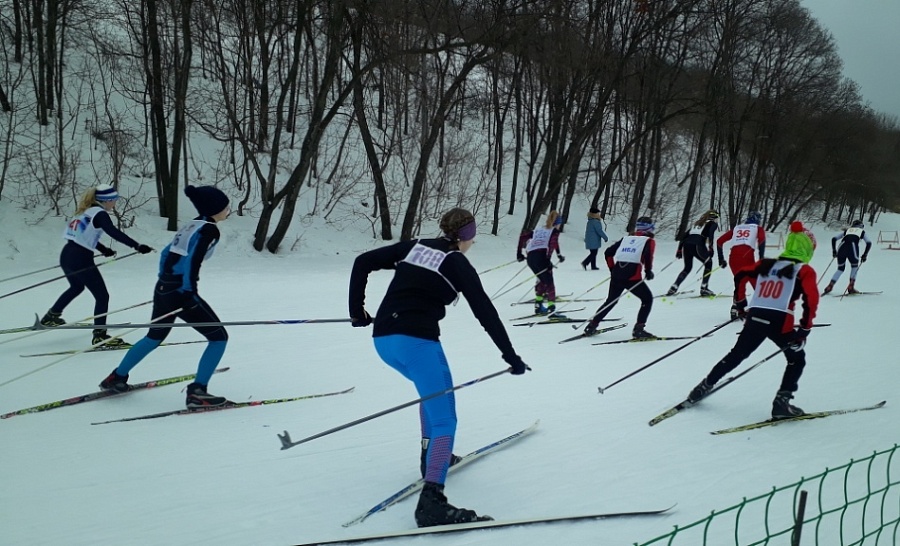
722 264
360 319
520 258
144 249
863 258
649 275
563 258
108 252
678 255
834 253
741 308
516 366
798 339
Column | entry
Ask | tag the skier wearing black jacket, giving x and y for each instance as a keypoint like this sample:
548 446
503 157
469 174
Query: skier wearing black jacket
429 274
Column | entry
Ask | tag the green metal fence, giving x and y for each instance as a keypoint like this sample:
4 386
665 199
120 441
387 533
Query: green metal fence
855 504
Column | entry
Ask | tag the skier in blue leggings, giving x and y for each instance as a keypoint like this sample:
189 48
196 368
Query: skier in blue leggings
429 275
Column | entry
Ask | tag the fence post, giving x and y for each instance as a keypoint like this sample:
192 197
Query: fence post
798 519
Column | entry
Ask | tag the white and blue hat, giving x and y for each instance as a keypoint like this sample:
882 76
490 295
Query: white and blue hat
105 192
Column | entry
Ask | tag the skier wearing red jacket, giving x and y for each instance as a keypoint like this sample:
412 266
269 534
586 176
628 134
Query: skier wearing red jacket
745 239
780 283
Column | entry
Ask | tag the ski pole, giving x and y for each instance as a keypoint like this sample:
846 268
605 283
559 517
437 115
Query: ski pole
192 324
287 443
825 271
42 283
519 272
52 267
41 329
491 269
86 349
665 356
511 288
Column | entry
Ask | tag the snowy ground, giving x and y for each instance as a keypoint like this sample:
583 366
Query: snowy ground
221 477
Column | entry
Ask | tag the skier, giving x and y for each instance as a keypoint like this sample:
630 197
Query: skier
429 275
593 235
627 259
697 243
780 283
176 289
82 236
539 245
849 251
745 239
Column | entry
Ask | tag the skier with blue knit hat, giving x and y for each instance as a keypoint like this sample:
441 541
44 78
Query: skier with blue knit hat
82 235
781 283
746 239
177 290
630 262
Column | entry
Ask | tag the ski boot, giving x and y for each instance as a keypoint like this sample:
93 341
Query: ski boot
672 290
539 308
552 314
197 397
639 333
115 382
433 509
590 329
52 319
699 392
705 292
103 339
782 408
828 288
851 288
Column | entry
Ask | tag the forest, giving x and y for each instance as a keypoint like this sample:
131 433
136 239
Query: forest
384 114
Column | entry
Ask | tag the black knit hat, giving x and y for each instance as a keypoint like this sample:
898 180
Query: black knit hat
208 200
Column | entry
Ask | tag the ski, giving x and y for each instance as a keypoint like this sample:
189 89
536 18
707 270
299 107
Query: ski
806 417
32 328
714 296
559 298
546 315
416 486
674 295
228 405
463 527
566 320
643 339
846 294
100 348
104 394
600 331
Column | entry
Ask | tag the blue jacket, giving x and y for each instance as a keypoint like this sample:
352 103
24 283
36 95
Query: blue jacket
593 233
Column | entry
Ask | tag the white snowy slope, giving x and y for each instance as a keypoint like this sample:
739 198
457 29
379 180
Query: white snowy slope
221 478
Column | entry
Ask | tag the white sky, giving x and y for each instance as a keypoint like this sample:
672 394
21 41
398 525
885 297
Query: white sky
868 40
222 478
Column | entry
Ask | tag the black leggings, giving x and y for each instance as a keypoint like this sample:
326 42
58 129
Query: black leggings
167 298
688 252
616 289
78 264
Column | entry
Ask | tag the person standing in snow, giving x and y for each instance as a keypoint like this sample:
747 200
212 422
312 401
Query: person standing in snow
745 239
176 290
82 235
593 235
429 275
848 250
627 260
697 243
780 283
539 245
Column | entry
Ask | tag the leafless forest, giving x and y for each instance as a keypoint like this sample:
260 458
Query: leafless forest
393 110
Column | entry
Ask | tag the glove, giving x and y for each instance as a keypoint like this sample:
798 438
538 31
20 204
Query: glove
722 264
516 366
144 249
563 258
649 275
798 339
360 319
834 254
108 252
740 309
863 258
520 258
678 255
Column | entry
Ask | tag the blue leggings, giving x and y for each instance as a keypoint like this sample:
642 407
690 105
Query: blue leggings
423 362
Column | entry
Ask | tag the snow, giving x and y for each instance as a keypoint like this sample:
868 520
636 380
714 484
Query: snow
222 477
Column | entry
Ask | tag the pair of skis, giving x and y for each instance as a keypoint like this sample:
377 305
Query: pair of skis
417 485
90 397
